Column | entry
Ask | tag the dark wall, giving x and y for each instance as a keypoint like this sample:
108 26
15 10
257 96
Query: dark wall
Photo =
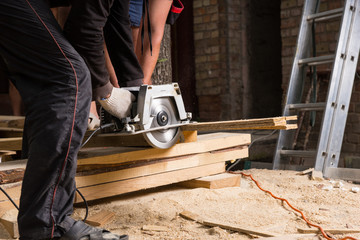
183 62
264 41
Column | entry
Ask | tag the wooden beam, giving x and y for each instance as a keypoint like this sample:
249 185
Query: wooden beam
151 181
222 180
100 219
138 140
115 140
205 143
236 228
166 165
12 121
11 227
11 176
260 123
14 143
13 192
6 132
212 223
7 206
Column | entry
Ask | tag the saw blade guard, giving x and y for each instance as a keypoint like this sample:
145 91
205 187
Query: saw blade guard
161 106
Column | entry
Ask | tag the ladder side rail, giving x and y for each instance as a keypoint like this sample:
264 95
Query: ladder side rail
334 91
344 96
295 84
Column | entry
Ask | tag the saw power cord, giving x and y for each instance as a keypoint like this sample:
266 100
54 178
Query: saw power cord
295 209
82 196
7 195
95 131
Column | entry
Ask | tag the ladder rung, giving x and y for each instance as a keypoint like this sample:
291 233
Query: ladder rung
298 153
307 106
317 60
322 16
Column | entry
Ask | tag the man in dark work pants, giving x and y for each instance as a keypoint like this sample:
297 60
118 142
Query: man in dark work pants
57 75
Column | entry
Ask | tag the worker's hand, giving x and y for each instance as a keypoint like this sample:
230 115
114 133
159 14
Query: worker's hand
118 103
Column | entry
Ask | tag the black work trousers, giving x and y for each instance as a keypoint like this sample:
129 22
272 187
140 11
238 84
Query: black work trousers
55 86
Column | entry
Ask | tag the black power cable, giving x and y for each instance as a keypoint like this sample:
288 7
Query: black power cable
7 195
260 138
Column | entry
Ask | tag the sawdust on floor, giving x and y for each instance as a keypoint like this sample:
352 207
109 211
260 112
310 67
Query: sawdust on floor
245 206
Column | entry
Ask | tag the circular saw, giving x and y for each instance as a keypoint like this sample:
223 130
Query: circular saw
157 114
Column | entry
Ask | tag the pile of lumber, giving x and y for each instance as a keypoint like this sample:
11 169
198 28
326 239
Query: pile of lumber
112 164
106 172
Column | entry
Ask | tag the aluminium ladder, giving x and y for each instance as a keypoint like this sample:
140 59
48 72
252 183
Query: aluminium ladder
335 109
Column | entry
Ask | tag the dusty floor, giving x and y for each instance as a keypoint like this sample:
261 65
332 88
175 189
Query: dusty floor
245 206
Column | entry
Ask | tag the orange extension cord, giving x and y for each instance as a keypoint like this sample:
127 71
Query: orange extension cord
297 210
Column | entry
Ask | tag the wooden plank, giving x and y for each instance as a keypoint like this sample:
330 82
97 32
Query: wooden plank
116 140
10 176
161 167
151 169
14 143
13 164
13 192
6 132
329 230
190 216
6 156
100 219
214 182
7 206
189 136
236 228
12 121
210 142
154 228
11 227
131 185
259 123
212 223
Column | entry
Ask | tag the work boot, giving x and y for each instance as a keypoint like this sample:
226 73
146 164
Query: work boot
83 231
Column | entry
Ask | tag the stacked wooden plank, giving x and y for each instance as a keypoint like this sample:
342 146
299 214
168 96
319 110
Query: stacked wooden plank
147 168
105 172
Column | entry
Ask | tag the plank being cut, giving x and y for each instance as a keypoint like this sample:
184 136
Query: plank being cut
137 140
101 140
258 123
205 143
151 181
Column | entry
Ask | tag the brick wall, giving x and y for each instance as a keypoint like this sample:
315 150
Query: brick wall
217 36
233 79
326 38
